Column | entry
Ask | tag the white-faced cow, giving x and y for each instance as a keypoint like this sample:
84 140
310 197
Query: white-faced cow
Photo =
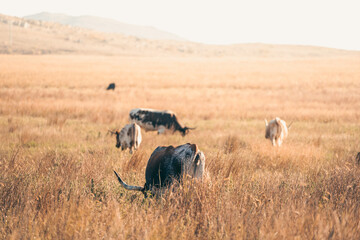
155 120
167 164
276 130
128 137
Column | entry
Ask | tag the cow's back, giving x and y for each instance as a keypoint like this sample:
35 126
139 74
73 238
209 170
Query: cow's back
152 117
162 168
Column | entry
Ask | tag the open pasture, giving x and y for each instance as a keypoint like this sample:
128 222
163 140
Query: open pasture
57 160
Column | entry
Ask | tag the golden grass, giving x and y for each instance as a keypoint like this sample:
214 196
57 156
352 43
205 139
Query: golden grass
57 160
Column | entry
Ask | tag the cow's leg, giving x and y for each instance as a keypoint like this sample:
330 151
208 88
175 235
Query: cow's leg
131 151
161 130
273 141
279 142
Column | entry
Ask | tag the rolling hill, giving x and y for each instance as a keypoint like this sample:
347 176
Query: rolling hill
27 36
105 25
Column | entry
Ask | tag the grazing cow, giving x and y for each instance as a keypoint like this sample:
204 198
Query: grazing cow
358 158
167 164
111 86
128 137
155 120
276 130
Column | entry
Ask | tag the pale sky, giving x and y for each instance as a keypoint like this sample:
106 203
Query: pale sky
328 23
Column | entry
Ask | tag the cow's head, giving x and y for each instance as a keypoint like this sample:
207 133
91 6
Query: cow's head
118 142
117 133
198 165
185 130
193 160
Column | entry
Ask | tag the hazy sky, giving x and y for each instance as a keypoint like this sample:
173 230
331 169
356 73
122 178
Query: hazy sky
330 23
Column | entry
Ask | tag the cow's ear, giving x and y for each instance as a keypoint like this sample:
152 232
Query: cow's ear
194 147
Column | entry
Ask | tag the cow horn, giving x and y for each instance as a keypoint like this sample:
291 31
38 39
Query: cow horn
290 124
191 128
128 187
266 122
111 131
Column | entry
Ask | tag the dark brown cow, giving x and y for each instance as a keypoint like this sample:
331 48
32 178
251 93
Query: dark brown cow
167 164
358 158
155 120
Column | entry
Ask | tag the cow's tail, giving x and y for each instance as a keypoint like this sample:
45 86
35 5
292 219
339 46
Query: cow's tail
133 128
128 187
290 125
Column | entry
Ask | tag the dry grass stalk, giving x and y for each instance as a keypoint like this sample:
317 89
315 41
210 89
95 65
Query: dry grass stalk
59 181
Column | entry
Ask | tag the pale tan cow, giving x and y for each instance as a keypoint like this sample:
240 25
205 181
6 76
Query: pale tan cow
276 130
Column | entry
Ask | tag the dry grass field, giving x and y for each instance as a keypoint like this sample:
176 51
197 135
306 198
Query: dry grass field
57 160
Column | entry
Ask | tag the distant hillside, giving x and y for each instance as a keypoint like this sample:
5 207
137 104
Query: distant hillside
105 25
26 36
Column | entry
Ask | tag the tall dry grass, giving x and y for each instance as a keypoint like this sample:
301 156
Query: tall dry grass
56 160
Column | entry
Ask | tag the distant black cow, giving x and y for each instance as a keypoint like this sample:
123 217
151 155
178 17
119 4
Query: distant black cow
167 164
111 86
155 120
358 158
